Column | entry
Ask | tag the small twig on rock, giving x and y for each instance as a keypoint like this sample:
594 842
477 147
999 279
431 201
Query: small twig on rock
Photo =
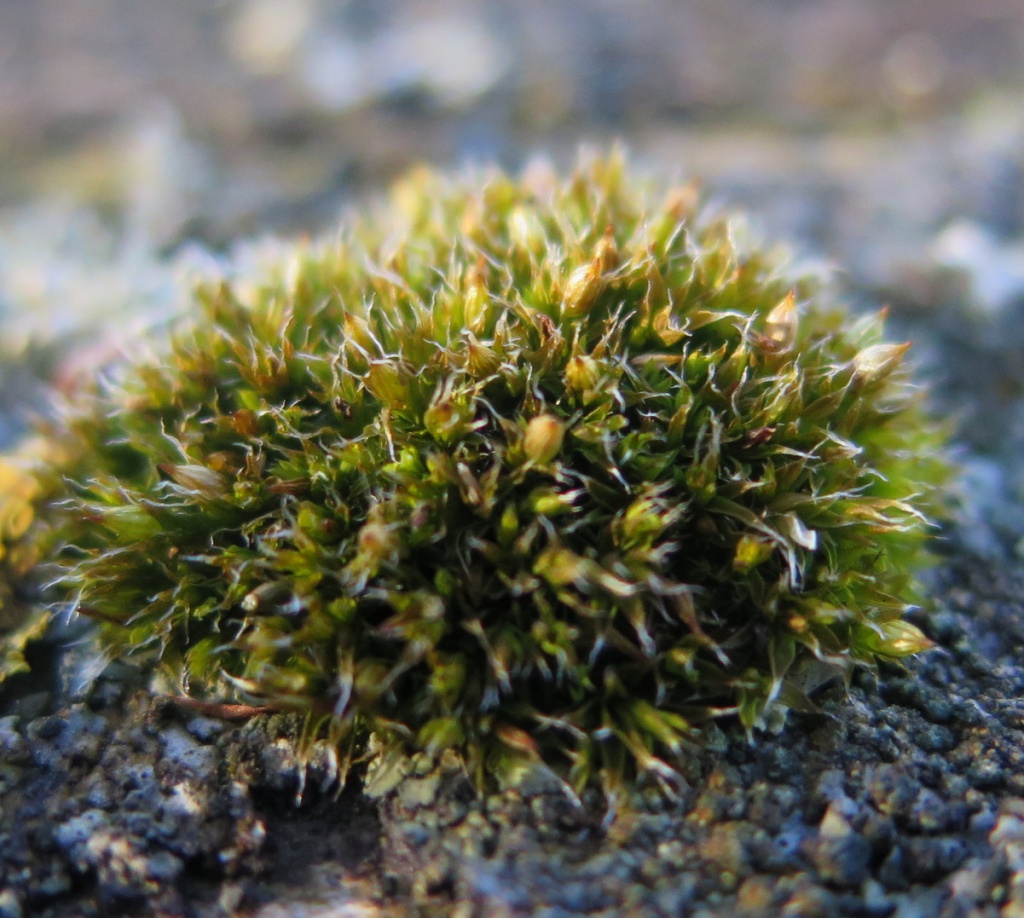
220 709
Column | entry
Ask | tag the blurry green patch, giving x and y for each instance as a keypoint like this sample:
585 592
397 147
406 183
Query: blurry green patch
19 624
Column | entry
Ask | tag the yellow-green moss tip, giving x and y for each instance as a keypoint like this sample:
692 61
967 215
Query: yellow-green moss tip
20 622
526 468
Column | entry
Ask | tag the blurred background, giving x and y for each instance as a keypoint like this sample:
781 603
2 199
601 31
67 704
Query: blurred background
144 140
212 118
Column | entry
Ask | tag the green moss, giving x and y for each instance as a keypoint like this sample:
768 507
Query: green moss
20 622
529 469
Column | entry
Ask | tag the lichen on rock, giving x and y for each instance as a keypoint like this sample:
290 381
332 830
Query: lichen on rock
533 470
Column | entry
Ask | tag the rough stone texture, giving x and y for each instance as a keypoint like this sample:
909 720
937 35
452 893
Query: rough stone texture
106 807
123 803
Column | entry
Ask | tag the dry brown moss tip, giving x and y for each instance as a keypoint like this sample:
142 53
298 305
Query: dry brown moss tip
532 469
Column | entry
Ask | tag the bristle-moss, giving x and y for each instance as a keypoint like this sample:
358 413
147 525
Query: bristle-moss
537 469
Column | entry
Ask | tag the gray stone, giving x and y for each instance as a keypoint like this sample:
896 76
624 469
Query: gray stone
75 832
205 729
183 750
841 861
13 748
10 906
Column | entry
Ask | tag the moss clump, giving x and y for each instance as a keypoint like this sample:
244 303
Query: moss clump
527 469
